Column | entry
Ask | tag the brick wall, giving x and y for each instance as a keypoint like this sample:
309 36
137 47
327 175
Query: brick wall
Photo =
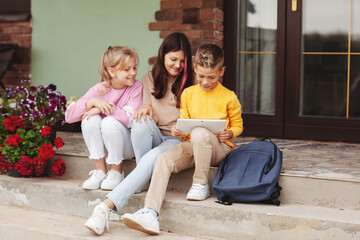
19 33
200 20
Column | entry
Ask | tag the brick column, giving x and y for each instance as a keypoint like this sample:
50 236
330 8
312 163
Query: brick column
200 20
20 66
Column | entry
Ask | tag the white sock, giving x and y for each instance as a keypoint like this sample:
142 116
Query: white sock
103 205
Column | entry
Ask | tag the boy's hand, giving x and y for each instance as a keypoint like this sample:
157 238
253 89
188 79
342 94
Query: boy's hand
146 109
103 105
91 112
175 132
225 135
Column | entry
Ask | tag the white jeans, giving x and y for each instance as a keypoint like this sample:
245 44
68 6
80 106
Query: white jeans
149 143
100 133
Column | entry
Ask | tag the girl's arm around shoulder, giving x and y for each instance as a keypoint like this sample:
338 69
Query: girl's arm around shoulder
234 113
134 102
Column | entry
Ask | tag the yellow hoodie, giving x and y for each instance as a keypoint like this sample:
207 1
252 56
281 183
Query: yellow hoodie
217 103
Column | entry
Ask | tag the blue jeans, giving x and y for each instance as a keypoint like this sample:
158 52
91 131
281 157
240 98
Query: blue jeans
148 143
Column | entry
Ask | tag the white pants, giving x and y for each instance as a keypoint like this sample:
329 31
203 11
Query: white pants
100 133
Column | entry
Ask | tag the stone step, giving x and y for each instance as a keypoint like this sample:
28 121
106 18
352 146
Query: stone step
78 167
24 223
303 190
207 218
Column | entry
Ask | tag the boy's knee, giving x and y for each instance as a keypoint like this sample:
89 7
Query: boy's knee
199 135
164 160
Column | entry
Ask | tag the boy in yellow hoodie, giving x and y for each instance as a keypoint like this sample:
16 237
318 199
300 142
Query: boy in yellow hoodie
209 99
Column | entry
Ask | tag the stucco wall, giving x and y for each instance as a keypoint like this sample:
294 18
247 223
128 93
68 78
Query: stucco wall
69 37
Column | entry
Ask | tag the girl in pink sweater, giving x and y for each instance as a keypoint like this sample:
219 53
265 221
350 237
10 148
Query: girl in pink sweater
105 111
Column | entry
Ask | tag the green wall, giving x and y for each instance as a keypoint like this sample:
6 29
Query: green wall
69 37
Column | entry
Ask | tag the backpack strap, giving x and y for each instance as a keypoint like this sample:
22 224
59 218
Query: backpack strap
271 163
226 201
274 198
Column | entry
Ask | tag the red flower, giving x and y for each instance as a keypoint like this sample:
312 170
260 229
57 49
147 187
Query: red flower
38 166
13 123
1 107
59 167
46 131
1 145
46 151
24 166
4 164
58 142
14 140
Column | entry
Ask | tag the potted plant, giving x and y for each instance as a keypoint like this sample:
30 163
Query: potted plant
28 117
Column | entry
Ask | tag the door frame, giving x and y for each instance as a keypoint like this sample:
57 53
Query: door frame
256 124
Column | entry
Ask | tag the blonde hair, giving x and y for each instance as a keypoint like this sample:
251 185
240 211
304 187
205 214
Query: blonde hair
114 57
209 55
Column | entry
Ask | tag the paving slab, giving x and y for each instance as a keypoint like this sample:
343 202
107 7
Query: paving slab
24 223
238 221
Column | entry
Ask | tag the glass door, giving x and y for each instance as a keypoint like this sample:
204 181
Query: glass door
323 70
295 66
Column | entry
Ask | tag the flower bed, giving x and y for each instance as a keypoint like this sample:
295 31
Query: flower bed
29 115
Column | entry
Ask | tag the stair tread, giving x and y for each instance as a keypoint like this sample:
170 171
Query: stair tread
67 227
293 210
305 158
187 218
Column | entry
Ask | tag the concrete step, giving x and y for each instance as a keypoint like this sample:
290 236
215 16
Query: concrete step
207 218
24 223
303 190
314 173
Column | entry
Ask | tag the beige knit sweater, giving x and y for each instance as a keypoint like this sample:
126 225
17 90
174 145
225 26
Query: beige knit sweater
164 109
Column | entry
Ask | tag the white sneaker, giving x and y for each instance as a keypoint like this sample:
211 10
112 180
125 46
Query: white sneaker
144 220
113 178
93 182
198 192
99 219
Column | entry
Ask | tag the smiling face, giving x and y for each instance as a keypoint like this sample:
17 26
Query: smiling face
174 63
121 78
208 77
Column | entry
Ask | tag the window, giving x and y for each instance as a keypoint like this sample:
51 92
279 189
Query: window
14 10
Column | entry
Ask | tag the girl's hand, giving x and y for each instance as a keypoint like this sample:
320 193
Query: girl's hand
146 109
103 105
91 112
225 135
175 132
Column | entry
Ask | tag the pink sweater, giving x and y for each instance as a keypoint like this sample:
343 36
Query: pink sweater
127 101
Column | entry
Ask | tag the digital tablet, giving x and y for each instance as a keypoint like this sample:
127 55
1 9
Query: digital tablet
213 125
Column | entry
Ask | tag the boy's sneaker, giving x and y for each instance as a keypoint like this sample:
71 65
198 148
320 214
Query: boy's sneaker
99 219
113 178
198 192
144 220
93 182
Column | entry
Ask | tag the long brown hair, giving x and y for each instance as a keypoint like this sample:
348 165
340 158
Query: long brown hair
173 42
